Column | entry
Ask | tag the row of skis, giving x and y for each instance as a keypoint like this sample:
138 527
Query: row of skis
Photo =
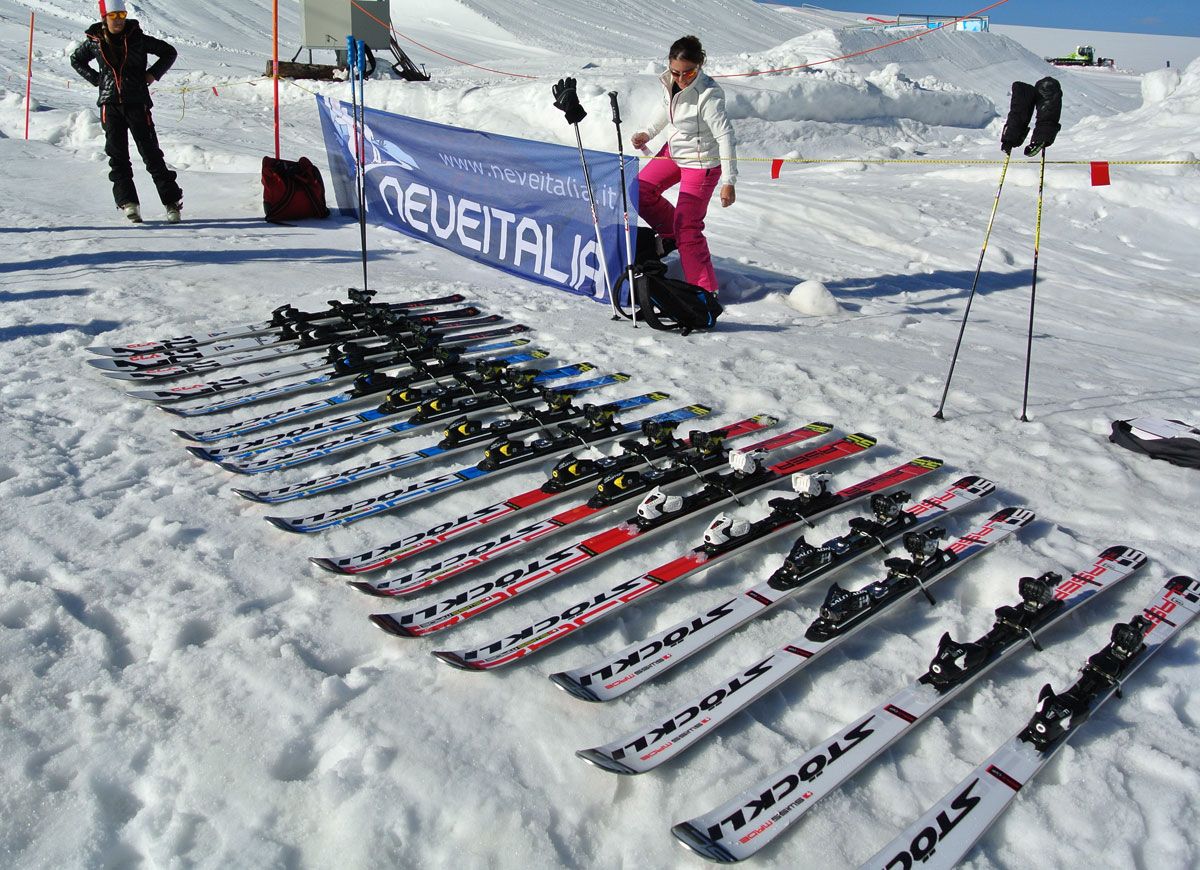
437 364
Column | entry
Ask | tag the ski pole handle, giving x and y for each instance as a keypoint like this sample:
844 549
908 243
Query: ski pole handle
612 98
351 53
362 59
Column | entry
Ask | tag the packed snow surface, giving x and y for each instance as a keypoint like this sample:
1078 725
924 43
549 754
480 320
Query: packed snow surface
180 688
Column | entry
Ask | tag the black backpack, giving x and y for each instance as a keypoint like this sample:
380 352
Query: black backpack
666 303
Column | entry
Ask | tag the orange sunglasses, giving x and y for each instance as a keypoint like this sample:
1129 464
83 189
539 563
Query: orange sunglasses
121 14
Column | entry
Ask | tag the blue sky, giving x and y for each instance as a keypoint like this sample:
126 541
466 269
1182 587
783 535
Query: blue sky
1177 18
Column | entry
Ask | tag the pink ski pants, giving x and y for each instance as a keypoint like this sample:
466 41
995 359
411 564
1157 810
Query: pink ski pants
683 222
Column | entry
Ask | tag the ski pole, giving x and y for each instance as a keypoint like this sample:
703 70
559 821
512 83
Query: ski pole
362 149
974 284
567 101
1037 242
587 183
616 115
351 65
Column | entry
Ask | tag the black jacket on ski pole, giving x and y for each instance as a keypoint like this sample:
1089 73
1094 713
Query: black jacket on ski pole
121 50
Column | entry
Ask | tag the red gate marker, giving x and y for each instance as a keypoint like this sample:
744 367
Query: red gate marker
1100 173
776 166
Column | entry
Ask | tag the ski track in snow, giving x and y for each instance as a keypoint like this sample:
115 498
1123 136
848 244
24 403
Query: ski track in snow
180 688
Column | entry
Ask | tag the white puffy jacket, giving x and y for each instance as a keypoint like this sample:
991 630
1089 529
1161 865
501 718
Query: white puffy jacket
698 130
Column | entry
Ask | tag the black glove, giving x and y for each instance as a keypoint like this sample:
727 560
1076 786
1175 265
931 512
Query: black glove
1049 111
567 101
1020 113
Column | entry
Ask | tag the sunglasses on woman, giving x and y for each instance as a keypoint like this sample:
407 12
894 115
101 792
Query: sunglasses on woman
116 15
685 74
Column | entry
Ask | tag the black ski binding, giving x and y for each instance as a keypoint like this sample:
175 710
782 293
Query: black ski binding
362 297
460 430
953 662
566 470
706 443
402 399
555 401
347 358
598 416
841 605
374 382
659 432
613 486
801 560
500 451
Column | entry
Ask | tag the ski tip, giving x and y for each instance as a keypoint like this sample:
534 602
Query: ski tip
390 625
367 588
187 436
1125 553
571 686
178 412
1182 584
455 660
251 495
981 487
236 469
1017 516
201 453
282 523
604 762
861 439
327 564
697 841
158 397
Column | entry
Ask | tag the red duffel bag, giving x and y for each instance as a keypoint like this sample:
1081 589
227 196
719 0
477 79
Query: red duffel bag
292 190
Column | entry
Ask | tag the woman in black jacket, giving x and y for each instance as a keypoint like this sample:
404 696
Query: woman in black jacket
120 49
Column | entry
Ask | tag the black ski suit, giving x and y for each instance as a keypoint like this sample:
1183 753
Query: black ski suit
125 104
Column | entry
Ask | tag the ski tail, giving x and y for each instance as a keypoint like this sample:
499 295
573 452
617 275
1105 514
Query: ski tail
762 812
950 828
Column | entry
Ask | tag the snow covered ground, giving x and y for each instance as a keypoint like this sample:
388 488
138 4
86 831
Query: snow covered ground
179 688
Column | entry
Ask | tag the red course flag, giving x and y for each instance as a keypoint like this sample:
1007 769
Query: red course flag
776 165
1100 173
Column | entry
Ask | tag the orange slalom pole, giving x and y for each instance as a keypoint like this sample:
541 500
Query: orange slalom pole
275 67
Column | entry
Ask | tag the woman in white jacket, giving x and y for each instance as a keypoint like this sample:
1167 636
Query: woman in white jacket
700 150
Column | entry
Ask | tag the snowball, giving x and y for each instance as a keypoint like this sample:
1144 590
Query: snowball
813 298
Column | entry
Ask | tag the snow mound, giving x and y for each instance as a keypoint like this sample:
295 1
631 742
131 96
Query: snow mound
1160 84
1177 92
845 96
1170 105
814 299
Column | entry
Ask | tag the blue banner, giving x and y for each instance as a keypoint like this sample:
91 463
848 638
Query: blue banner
515 204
